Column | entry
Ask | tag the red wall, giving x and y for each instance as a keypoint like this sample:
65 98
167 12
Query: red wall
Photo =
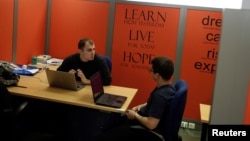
31 29
75 19
6 29
199 57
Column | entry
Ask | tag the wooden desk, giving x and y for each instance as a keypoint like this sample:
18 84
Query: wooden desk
38 88
205 115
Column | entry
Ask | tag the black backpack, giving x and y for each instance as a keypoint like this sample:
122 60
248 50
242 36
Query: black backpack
7 76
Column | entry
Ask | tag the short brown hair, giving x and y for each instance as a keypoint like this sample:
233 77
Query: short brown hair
164 66
82 42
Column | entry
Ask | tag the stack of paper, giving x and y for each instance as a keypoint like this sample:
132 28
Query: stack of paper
54 61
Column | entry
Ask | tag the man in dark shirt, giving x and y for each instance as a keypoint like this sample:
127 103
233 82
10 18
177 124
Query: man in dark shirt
146 121
73 122
80 122
85 63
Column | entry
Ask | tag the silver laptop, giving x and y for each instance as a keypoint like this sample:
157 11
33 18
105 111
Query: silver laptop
63 80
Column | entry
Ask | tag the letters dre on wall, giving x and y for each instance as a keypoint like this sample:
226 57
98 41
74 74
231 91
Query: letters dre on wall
199 56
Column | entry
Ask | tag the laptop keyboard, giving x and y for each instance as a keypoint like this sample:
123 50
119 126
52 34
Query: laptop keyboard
106 99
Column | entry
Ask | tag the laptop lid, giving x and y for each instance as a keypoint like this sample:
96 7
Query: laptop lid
63 80
96 85
102 98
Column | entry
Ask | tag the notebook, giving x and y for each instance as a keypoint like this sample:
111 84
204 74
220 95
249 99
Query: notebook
63 80
104 99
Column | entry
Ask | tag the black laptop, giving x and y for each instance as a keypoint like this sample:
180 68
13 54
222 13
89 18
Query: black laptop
105 99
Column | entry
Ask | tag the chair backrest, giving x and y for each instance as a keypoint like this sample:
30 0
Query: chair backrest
108 62
176 111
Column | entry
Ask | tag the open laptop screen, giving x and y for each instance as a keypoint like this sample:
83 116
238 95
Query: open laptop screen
105 99
96 84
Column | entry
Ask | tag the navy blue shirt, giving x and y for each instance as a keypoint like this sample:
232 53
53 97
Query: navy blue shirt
158 105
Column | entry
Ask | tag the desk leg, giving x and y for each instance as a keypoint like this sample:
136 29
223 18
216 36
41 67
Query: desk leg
204 132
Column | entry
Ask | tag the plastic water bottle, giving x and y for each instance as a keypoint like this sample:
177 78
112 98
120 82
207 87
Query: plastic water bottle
44 62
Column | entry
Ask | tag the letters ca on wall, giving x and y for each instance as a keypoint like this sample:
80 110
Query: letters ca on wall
142 33
202 38
200 52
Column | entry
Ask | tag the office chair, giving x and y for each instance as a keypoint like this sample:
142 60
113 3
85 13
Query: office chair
108 62
176 111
